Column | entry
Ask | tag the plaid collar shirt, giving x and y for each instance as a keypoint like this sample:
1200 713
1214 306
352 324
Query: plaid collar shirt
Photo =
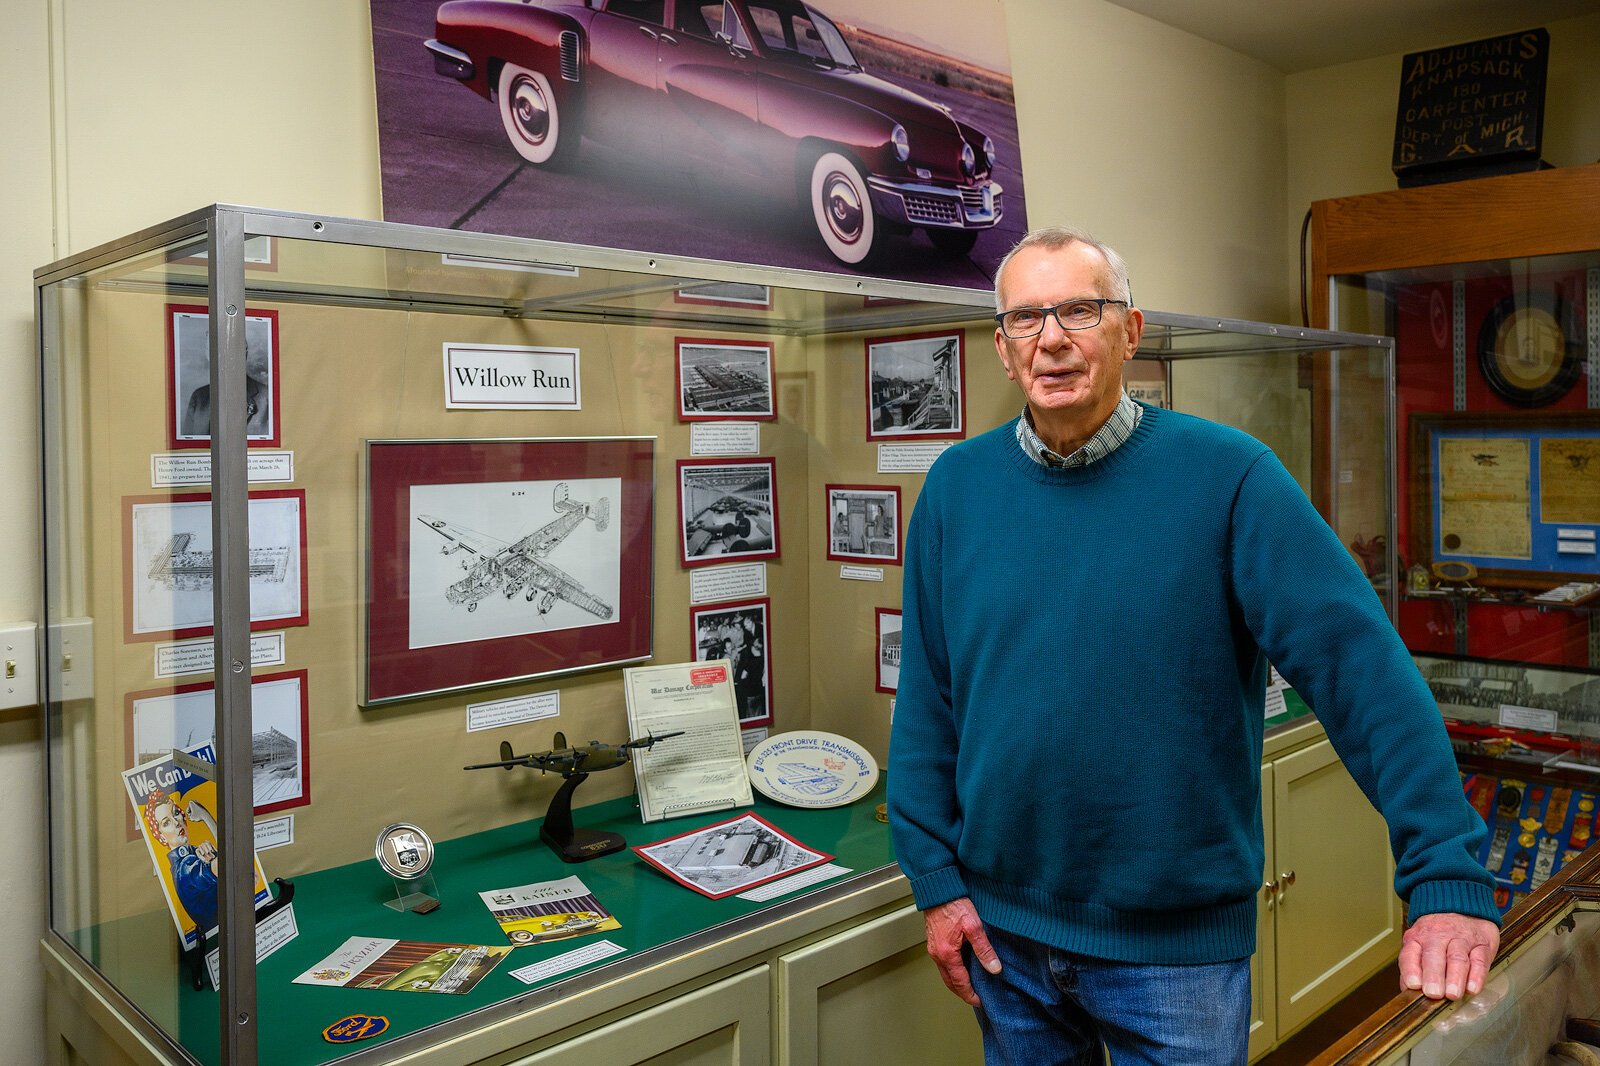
1107 439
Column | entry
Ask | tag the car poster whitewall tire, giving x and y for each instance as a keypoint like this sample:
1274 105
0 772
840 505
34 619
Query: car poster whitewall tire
842 208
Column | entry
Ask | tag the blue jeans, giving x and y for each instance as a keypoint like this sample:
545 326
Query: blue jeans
1048 1007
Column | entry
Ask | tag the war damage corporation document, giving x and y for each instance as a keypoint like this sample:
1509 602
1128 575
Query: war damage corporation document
703 770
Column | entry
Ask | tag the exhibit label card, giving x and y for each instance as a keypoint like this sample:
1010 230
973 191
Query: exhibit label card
194 468
742 581
514 711
572 960
1536 718
272 932
511 377
908 458
860 573
702 770
194 656
725 438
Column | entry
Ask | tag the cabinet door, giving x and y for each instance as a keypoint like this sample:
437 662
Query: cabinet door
725 1024
870 996
1263 971
1338 919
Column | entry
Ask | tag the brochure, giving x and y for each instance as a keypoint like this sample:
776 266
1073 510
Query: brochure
548 910
405 965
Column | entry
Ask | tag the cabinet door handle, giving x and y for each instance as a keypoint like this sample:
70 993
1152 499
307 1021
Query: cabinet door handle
1285 879
1271 889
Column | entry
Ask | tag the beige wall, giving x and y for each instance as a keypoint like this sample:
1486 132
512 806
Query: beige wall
1194 160
1166 146
1341 123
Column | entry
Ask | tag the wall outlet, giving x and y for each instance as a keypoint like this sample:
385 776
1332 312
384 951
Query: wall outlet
19 665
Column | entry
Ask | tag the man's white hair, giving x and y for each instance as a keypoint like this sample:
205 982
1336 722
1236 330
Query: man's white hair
1056 237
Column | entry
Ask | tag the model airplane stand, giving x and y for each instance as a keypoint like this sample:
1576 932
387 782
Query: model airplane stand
574 845
195 958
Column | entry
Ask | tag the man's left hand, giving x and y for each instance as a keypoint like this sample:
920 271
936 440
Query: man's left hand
1447 955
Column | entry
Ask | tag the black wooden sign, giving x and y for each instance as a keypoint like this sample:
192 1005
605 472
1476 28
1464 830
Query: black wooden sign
1471 109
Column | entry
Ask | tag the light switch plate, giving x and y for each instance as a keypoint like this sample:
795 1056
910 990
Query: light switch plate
19 665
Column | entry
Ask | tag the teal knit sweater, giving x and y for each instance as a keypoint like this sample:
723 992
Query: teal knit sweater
1077 735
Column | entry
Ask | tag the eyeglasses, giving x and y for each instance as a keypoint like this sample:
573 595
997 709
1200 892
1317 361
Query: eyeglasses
1022 322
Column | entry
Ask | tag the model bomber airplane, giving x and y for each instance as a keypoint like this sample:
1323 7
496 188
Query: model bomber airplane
495 566
575 760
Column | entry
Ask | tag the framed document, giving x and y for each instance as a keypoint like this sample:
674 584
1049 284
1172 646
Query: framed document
727 510
183 716
189 377
864 523
1515 495
916 387
741 634
703 770
501 560
888 626
168 560
724 380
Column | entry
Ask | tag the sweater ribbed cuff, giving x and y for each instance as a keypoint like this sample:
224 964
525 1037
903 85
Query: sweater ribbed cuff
940 886
1472 898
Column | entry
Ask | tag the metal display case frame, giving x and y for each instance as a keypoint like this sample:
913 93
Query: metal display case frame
224 287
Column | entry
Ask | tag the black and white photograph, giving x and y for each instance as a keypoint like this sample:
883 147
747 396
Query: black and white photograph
916 387
864 523
184 718
189 366
168 562
888 656
503 558
1474 690
739 633
727 510
720 379
726 294
731 856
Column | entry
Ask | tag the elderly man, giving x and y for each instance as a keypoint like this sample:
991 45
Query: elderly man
1092 594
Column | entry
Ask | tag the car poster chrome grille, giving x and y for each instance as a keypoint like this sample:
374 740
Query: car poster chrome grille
569 55
972 199
940 210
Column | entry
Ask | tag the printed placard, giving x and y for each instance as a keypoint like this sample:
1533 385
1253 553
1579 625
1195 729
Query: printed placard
908 458
274 832
744 581
196 656
1529 718
272 932
724 438
515 711
511 377
861 573
167 469
795 882
572 960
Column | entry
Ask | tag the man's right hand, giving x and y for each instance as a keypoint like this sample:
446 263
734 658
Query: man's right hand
949 926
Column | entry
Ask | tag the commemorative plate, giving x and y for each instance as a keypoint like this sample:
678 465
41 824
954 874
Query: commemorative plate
810 768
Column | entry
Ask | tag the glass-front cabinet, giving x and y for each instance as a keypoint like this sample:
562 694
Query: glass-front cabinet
334 509
1497 444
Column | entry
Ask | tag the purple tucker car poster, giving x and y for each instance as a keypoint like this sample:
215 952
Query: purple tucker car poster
861 136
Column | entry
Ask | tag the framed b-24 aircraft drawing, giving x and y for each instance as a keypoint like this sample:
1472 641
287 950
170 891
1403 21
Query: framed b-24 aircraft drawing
492 561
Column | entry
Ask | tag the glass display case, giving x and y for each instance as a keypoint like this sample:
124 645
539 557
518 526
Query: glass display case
1497 443
1545 977
333 508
